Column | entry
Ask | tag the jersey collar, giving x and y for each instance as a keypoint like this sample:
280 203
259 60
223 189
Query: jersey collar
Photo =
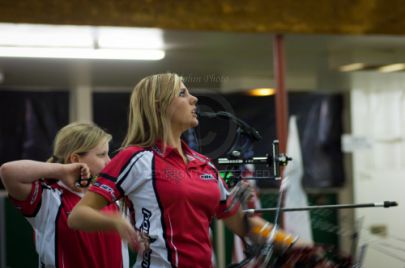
190 154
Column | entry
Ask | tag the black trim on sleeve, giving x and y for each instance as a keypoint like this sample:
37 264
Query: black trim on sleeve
108 177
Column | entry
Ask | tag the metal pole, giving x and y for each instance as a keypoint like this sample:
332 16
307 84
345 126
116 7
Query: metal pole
220 244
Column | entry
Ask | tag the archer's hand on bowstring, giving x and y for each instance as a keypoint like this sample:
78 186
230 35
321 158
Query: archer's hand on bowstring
241 194
70 173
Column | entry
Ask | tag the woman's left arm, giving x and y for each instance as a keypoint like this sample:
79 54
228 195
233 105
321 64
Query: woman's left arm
258 230
243 225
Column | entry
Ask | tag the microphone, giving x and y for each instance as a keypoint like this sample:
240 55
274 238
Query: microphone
250 131
206 114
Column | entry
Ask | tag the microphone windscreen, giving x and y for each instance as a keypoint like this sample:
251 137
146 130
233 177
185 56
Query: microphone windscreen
206 114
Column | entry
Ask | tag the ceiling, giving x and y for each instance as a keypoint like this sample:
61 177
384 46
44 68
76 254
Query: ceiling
216 60
267 16
223 45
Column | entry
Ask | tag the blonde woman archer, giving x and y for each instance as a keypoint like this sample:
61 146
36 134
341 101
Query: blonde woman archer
46 192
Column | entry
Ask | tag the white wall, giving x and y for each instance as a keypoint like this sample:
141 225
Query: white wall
378 115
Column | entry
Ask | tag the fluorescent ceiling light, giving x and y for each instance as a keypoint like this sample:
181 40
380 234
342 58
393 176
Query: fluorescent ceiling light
351 67
261 92
31 35
82 53
125 37
80 42
392 68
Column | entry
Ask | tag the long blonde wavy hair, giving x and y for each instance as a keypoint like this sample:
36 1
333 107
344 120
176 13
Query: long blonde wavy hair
147 121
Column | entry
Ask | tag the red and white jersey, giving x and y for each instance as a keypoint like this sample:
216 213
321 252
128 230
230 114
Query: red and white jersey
173 202
47 209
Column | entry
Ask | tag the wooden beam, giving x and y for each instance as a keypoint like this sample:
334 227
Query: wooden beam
288 16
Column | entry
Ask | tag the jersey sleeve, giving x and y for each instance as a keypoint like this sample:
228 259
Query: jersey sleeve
31 205
227 206
41 206
123 174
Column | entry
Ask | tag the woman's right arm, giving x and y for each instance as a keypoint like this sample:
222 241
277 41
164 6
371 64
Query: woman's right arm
18 176
86 216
